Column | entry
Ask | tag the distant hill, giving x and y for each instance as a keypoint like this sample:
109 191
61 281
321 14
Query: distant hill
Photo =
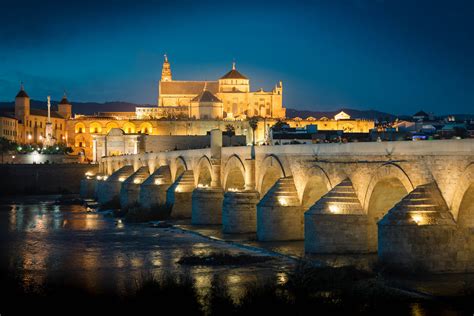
82 107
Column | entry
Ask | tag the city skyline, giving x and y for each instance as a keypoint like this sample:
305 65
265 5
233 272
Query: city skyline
391 57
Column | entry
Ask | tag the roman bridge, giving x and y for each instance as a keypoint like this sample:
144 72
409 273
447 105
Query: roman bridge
412 202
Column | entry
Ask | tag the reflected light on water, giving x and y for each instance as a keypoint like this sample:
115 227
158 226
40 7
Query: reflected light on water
282 277
46 240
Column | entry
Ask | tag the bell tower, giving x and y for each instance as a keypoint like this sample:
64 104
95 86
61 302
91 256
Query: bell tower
22 105
166 71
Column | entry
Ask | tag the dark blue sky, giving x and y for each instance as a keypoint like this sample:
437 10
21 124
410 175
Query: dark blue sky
397 56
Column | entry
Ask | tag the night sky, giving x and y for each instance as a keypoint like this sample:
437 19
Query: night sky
396 56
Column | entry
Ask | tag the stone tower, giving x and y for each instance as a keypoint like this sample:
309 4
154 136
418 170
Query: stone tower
166 71
65 107
22 105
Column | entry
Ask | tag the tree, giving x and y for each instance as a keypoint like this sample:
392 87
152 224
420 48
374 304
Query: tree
6 146
253 122
230 131
279 125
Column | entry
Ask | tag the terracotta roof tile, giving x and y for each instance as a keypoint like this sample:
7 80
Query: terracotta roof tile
188 87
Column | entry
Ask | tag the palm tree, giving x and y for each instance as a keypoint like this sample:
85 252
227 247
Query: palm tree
230 131
253 122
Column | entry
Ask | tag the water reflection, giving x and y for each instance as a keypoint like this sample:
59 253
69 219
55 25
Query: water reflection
44 242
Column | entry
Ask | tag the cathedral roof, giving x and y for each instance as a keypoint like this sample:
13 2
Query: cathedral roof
188 87
233 74
206 96
22 94
64 100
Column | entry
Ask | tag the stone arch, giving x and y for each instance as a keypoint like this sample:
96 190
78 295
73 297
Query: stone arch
111 125
145 128
203 172
462 206
129 128
180 166
385 172
234 174
271 169
79 128
388 185
316 185
95 128
80 141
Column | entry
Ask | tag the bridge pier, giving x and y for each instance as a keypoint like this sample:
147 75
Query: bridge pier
130 190
279 213
109 190
153 192
337 223
88 187
207 202
207 206
419 233
179 195
239 212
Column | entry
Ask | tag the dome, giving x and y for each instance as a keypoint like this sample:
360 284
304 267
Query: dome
233 74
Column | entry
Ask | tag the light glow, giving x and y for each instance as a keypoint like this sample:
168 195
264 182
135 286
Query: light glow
121 179
158 181
334 209
417 218
201 186
233 190
283 201
137 181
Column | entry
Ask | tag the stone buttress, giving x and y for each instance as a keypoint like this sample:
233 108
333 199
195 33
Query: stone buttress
336 223
153 192
419 233
279 213
130 191
109 190
179 195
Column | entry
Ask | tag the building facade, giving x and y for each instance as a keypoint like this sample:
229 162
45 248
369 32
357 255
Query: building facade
32 124
8 127
232 91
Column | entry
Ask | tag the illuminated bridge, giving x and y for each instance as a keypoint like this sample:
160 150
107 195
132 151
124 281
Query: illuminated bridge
412 202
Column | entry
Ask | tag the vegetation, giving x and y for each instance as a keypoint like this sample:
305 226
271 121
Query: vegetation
253 122
6 146
230 131
308 290
279 125
222 258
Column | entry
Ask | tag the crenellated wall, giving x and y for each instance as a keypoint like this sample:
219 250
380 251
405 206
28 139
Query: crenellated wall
380 175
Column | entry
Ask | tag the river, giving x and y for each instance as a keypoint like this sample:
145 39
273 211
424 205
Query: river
41 240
